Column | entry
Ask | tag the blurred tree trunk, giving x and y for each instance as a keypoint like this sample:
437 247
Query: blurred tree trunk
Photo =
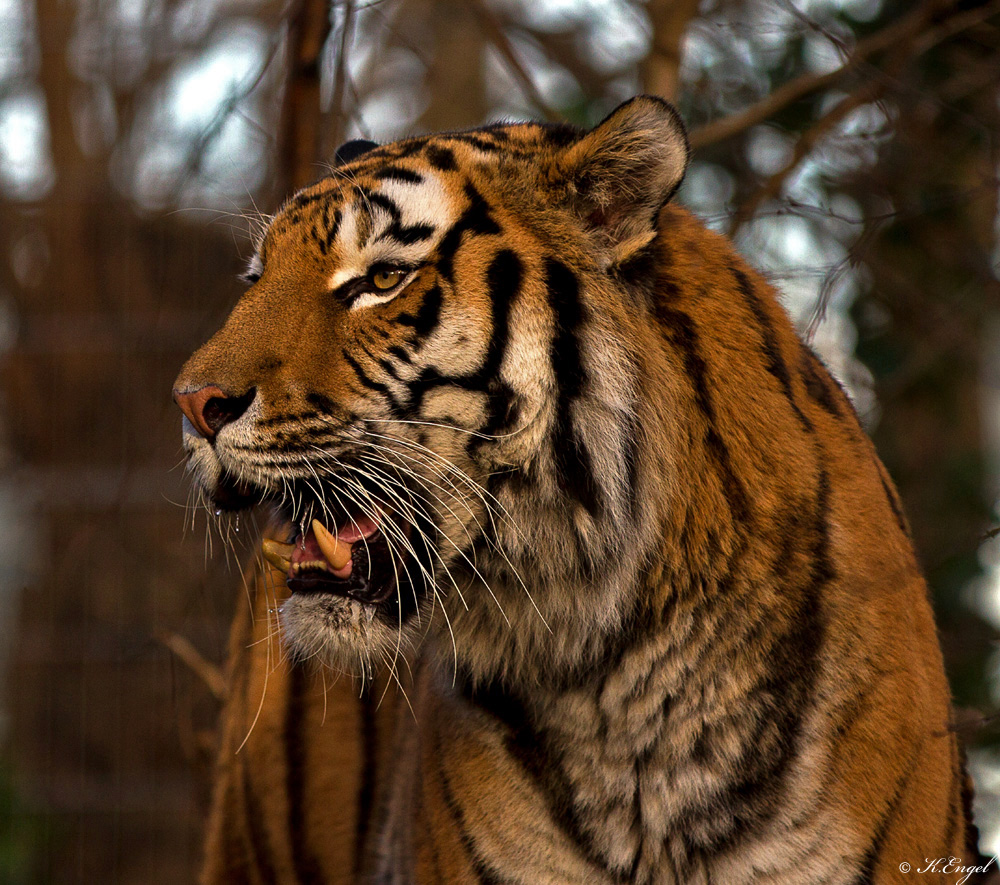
452 32
299 129
923 325
661 69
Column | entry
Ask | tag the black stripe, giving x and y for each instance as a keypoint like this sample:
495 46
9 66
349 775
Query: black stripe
428 379
772 349
427 315
485 872
407 235
872 855
530 749
366 794
560 134
497 129
400 352
363 376
680 331
371 384
890 496
478 141
409 147
320 241
302 200
331 232
856 705
386 365
574 468
819 384
369 197
398 173
323 404
440 158
503 281
308 869
477 218
780 700
630 454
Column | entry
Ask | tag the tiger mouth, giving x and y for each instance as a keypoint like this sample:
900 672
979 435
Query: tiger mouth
353 559
366 556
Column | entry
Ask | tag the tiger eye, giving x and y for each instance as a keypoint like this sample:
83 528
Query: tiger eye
386 279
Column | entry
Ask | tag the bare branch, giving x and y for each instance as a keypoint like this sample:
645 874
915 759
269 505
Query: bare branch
804 146
903 30
495 34
340 77
195 154
208 672
904 54
561 48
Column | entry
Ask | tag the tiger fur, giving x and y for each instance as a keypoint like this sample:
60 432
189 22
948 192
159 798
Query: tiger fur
626 594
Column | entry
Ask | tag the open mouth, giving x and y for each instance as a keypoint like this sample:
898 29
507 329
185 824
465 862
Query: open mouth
370 556
349 558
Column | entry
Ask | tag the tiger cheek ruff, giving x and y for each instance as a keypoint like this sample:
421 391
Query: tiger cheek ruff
546 460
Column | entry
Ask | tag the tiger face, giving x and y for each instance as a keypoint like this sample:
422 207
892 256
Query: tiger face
435 375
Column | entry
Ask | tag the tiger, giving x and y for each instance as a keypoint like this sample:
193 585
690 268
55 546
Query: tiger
580 567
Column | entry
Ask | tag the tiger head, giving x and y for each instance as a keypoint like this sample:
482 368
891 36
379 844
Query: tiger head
439 379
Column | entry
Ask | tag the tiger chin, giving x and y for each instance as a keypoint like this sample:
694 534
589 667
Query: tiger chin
528 430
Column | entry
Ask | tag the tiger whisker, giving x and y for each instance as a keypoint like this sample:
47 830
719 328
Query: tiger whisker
471 563
490 537
489 437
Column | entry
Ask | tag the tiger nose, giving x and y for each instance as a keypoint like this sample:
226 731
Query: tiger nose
210 408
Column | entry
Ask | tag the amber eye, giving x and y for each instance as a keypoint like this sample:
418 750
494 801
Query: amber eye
385 278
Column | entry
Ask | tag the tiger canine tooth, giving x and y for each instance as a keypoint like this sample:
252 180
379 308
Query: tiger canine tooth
278 554
336 552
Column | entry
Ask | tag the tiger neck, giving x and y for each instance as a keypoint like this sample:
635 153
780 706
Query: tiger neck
654 717
590 758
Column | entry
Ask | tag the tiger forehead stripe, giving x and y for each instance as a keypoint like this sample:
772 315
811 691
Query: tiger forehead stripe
396 221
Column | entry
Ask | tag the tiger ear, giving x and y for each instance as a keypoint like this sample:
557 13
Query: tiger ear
624 171
351 150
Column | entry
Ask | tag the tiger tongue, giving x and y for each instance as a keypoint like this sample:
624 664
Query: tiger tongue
357 527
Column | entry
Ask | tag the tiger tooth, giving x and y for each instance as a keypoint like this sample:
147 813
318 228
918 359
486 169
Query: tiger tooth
278 554
336 552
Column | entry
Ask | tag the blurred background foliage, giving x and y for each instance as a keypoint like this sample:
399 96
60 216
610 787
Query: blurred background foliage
850 147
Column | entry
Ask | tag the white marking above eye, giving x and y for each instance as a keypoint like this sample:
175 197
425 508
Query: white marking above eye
345 274
424 203
368 299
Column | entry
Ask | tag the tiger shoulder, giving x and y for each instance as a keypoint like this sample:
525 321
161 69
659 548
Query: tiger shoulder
626 593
